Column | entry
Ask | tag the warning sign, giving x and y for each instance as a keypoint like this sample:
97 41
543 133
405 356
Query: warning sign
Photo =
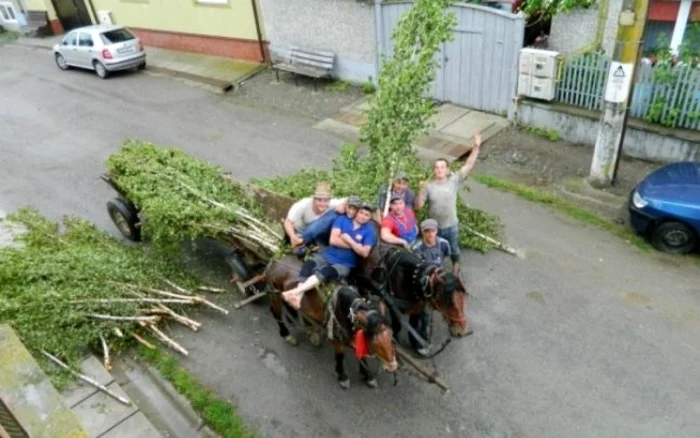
619 81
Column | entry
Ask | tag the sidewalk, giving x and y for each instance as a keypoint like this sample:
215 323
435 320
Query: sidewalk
215 73
451 138
156 409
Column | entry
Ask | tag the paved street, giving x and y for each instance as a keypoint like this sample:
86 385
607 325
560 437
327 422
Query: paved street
585 337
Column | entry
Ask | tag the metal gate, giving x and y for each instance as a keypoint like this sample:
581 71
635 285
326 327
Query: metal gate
478 69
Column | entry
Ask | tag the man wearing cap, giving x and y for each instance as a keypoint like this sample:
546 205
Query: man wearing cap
441 193
350 239
399 226
398 188
308 210
433 250
430 247
319 231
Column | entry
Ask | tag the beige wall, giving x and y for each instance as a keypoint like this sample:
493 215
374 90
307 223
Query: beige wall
233 20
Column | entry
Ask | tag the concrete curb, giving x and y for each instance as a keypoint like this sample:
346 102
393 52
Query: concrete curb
223 86
175 396
30 45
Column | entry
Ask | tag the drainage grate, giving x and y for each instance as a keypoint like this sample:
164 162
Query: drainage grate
9 426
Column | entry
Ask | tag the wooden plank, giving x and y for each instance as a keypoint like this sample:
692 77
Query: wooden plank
319 52
309 62
313 57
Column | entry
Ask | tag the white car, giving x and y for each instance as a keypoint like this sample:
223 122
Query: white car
103 48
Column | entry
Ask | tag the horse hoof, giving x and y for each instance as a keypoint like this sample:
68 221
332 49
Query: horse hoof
291 340
345 384
314 339
372 383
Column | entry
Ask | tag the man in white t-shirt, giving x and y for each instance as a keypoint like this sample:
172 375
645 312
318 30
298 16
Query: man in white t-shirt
307 210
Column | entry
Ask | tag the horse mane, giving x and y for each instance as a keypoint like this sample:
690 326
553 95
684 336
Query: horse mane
347 296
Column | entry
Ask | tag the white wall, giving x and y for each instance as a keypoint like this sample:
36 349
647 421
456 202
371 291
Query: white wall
345 27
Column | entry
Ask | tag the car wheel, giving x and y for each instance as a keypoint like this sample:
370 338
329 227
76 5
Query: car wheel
100 69
142 66
61 61
125 216
673 238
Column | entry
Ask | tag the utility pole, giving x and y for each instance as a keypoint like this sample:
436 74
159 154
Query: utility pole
608 144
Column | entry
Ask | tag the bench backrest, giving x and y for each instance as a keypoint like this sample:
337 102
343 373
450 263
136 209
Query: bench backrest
37 17
316 59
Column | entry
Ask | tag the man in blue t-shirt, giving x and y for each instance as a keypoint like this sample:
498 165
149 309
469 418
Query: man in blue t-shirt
349 239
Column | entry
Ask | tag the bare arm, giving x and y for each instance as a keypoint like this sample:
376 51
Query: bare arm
469 164
361 250
389 237
422 195
289 228
337 240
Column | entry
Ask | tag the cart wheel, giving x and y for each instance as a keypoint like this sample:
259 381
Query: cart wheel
241 270
125 217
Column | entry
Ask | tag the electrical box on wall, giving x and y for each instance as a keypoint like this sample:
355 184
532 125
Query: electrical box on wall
537 73
105 17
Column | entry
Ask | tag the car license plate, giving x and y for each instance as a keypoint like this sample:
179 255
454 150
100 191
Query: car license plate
125 50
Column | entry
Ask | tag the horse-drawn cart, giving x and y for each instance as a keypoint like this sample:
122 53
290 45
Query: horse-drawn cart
250 263
247 261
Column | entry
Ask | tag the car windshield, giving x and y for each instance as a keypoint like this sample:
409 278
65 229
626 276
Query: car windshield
116 36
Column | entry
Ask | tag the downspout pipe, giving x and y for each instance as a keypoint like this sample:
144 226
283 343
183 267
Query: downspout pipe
257 29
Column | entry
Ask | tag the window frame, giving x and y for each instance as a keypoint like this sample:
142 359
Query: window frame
8 6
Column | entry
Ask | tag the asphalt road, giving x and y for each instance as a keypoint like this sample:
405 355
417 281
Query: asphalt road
585 337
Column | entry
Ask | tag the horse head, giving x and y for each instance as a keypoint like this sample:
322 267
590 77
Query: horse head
374 320
446 292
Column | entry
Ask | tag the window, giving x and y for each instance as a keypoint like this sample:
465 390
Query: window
117 36
70 39
85 40
8 12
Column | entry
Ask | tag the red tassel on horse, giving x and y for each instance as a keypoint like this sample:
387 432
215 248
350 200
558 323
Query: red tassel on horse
361 349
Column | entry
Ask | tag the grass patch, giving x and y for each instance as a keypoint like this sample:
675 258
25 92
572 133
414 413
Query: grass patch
549 134
565 207
338 86
7 36
218 414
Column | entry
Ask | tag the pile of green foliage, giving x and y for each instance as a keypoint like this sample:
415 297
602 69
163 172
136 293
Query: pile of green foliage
58 279
183 198
398 116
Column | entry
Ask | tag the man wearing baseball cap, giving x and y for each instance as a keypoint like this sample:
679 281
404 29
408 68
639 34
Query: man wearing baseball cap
399 187
431 247
309 210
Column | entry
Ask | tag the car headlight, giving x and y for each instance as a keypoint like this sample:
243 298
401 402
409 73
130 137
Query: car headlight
638 201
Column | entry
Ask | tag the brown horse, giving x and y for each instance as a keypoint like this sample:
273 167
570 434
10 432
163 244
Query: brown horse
283 274
365 327
346 314
413 285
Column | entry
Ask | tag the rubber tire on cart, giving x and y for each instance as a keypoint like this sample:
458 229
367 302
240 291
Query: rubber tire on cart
241 270
125 216
674 238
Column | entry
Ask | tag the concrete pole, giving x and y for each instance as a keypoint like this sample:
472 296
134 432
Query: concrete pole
609 141
681 24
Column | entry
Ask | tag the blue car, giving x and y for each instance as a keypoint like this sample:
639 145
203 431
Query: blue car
666 207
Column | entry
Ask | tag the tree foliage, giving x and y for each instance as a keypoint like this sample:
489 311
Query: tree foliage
184 198
50 281
548 8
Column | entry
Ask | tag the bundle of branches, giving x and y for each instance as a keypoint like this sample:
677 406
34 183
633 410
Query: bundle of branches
66 289
183 198
398 116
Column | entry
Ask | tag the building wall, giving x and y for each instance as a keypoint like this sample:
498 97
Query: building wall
642 140
222 30
575 29
344 27
46 5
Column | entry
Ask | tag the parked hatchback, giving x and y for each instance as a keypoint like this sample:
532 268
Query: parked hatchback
102 48
666 207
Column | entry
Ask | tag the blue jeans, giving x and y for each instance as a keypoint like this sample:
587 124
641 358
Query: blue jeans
319 231
451 234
